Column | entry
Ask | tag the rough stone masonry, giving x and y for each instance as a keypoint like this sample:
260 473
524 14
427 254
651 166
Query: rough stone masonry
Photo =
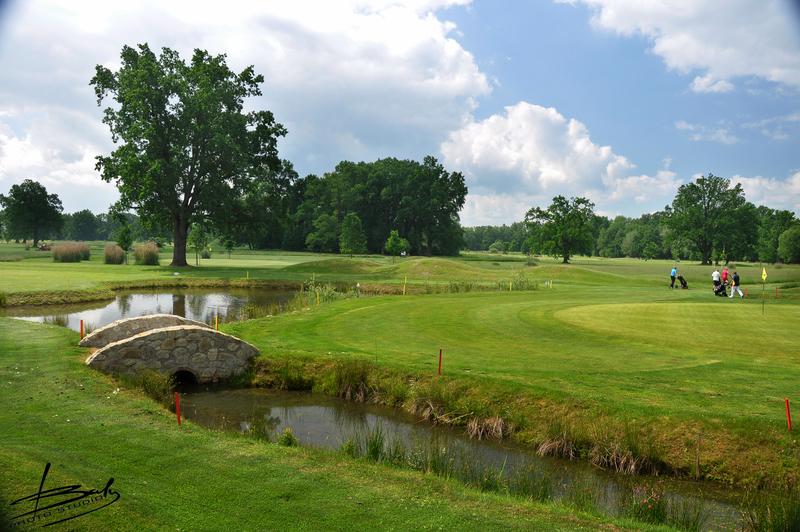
208 354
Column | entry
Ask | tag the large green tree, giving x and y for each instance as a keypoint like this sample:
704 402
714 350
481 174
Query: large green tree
30 212
325 236
186 148
704 214
789 244
83 225
564 228
352 239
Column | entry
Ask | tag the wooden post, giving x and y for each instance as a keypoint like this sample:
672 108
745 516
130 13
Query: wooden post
216 321
788 414
405 280
440 362
81 329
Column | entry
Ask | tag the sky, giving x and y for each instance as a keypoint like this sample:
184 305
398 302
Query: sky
621 101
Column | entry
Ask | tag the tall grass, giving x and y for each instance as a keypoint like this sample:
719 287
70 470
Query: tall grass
155 385
146 254
764 512
3 299
71 252
113 254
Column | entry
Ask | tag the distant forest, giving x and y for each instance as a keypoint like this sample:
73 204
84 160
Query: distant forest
757 234
392 205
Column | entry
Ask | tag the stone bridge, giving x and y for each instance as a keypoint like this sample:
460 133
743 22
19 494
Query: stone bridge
169 345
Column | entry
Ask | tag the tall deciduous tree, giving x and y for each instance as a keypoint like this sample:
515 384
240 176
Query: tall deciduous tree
564 228
30 212
84 226
325 236
789 244
703 213
352 240
187 149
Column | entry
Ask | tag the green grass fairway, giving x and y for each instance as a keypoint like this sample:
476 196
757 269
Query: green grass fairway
674 361
57 410
608 350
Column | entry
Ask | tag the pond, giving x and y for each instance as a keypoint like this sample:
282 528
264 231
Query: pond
194 303
331 423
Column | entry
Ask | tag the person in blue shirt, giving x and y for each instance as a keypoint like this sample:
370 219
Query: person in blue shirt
672 275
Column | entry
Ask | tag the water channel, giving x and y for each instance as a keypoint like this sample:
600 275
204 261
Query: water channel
328 423
194 303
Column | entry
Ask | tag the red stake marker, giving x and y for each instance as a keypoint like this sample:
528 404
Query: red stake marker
81 329
178 407
788 415
440 361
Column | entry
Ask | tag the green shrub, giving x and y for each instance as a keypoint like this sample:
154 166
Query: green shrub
3 299
113 254
206 253
71 252
288 439
146 254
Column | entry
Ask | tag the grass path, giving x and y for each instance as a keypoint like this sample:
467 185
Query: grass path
56 409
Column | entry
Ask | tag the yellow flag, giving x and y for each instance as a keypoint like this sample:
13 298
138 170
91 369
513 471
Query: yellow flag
763 274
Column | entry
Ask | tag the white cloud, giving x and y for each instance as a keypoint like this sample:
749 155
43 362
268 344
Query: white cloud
772 192
531 153
723 39
776 127
709 84
359 79
721 135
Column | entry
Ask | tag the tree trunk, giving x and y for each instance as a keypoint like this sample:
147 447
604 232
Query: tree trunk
180 228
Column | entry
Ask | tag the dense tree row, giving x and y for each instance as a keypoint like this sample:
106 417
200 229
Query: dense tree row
709 220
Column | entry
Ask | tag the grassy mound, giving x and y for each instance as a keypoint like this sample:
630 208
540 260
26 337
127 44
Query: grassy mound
337 265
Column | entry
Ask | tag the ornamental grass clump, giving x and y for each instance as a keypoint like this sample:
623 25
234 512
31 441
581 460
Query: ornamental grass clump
146 254
71 252
113 254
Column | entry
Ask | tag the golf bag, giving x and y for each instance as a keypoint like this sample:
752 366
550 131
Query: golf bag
683 282
719 290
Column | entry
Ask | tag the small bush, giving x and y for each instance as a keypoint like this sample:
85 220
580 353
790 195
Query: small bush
288 439
71 252
146 254
113 254
647 504
205 254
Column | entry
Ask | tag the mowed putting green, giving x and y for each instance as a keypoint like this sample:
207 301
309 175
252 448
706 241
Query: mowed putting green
653 352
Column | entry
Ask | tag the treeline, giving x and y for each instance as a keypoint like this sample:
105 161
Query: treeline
356 208
708 220
30 213
364 201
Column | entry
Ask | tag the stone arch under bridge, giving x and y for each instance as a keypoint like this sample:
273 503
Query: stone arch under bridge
206 354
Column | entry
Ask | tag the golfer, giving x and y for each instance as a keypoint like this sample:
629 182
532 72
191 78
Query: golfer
672 275
715 278
735 285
